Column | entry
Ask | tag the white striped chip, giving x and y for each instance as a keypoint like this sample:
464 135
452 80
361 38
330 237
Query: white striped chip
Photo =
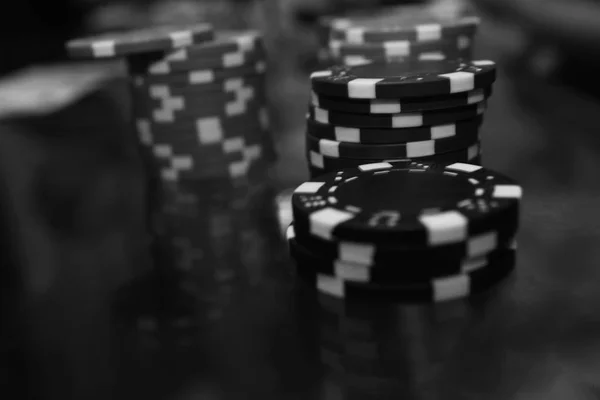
508 192
104 48
350 272
201 76
316 159
474 264
290 233
233 145
375 166
323 222
344 134
482 244
460 81
483 63
445 227
144 131
407 120
321 74
330 285
451 288
443 131
329 148
355 35
363 88
392 107
309 188
428 32
361 253
236 59
321 115
464 167
209 130
398 48
182 38
476 97
420 149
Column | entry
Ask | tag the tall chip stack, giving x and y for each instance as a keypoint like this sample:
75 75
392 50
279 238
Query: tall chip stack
417 110
399 260
199 110
403 33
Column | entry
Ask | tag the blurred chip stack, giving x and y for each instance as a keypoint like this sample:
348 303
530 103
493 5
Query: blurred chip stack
199 110
400 259
403 33
419 110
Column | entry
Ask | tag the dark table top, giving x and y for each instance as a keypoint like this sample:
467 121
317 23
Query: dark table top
77 246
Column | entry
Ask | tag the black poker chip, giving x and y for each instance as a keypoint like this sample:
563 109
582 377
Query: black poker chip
409 202
401 120
392 135
438 290
442 260
406 79
117 44
403 105
454 48
407 150
320 164
395 271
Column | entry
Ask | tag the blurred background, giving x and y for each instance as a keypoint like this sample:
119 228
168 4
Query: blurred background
72 188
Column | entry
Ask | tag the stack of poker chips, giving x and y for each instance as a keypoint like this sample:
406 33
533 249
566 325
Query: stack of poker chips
398 260
199 111
401 34
419 110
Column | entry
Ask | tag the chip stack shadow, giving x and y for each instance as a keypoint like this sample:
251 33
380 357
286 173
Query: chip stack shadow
419 110
199 110
396 34
399 261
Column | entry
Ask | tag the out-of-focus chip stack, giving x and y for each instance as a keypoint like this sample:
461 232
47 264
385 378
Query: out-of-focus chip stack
400 260
419 110
199 110
402 33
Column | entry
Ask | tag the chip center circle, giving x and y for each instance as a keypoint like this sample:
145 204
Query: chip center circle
404 191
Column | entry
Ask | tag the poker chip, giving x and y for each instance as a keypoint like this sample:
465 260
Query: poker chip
227 50
392 135
409 79
407 150
118 44
457 47
200 76
403 105
448 203
371 253
324 164
399 269
439 290
161 90
170 111
401 120
328 60
419 29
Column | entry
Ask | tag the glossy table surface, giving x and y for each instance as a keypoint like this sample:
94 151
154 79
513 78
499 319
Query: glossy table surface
77 243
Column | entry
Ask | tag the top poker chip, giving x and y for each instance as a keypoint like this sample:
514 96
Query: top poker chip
406 203
405 79
117 44
416 28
